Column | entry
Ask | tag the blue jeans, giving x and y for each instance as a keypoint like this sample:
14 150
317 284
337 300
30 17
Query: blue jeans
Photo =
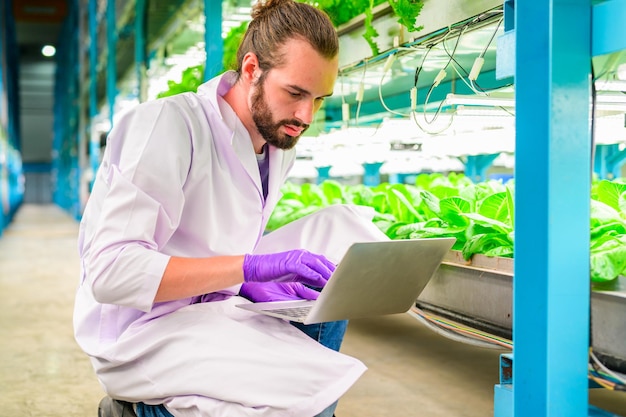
328 334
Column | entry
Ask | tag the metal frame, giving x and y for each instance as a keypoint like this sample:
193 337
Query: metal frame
553 147
553 169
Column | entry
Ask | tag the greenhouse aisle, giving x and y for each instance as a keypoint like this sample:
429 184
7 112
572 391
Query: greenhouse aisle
412 370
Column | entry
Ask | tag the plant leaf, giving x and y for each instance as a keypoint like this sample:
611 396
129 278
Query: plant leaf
495 206
451 209
608 259
609 193
407 11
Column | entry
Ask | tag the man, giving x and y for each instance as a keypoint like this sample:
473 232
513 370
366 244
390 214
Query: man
172 239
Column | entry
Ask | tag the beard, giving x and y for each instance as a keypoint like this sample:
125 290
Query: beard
264 121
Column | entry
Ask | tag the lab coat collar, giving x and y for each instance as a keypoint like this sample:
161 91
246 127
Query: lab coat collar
240 140
217 87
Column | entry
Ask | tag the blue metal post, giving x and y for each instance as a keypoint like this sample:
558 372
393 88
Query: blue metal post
553 152
609 31
213 43
608 160
323 173
503 392
111 58
3 112
476 166
371 174
94 143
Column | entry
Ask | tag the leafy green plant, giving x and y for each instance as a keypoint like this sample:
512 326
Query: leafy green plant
339 11
480 216
342 11
370 32
407 11
191 79
231 44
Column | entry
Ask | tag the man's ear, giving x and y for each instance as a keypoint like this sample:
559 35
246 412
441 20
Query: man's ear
250 67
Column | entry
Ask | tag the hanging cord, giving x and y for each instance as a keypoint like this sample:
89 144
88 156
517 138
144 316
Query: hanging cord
441 75
390 60
478 63
344 104
597 371
459 333
413 96
606 378
359 94
593 119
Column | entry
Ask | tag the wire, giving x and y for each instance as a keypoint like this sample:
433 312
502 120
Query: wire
435 84
460 333
386 68
474 86
618 380
343 99
493 35
432 132
437 112
418 69
593 120
359 94
597 371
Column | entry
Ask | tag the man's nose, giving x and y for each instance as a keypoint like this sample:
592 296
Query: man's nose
305 111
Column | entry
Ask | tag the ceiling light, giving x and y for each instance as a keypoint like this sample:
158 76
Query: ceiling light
48 51
480 100
611 102
611 98
610 85
476 111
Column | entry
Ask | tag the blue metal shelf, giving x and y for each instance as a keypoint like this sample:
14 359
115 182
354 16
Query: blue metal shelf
554 43
11 172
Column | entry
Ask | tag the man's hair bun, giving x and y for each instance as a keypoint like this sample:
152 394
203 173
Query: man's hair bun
265 6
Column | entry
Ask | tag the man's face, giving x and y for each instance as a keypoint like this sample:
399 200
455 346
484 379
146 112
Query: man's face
269 128
284 100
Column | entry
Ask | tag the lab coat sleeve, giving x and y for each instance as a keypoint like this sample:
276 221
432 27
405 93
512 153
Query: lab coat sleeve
140 192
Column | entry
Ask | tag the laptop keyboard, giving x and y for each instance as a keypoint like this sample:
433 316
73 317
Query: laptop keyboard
293 312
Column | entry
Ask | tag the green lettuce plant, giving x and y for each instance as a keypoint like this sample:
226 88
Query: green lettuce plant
480 216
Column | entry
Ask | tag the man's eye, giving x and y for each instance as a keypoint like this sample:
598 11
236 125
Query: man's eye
292 94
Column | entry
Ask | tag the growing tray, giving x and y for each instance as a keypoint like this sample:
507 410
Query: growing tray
479 294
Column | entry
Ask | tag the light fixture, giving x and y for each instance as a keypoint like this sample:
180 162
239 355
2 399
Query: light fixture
608 102
484 111
610 85
477 100
611 98
48 51
611 107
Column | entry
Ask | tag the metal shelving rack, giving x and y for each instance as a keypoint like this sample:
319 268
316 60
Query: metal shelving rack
554 44
11 171
116 41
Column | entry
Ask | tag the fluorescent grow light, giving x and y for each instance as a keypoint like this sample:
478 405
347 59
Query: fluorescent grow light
609 102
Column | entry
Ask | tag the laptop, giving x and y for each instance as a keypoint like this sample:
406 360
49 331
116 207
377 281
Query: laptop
373 278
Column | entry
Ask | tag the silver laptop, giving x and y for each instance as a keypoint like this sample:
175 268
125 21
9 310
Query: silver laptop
373 278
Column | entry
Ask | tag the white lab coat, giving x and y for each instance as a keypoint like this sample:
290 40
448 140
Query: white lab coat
180 178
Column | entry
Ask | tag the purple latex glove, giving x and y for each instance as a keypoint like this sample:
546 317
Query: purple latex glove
292 266
259 292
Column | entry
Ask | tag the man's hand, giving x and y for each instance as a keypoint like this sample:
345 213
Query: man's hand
292 266
276 291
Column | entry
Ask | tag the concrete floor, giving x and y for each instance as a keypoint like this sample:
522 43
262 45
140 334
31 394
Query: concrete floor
412 370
